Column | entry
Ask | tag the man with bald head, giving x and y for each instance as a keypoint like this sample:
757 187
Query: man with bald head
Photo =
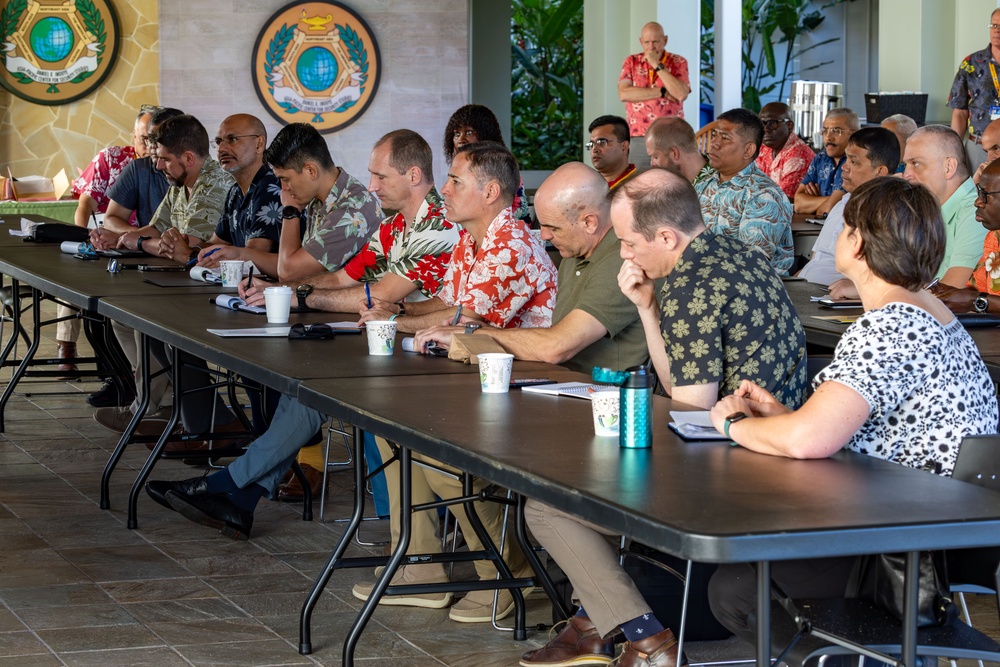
251 217
592 324
652 84
902 126
982 293
784 157
671 144
722 316
991 144
936 159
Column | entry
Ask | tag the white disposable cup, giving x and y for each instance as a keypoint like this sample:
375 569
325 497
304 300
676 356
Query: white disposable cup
232 272
494 372
605 406
278 303
381 337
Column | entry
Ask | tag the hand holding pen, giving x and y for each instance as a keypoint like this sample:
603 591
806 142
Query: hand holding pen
205 256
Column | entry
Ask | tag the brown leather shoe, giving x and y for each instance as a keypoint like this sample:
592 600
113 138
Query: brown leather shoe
659 650
579 643
67 351
291 491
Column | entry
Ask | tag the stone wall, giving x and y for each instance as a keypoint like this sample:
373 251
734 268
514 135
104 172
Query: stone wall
208 47
38 139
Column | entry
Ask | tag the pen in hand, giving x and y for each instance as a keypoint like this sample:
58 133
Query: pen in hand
207 254
250 278
458 316
368 294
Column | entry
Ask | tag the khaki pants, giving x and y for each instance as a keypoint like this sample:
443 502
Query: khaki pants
588 554
426 484
67 331
160 394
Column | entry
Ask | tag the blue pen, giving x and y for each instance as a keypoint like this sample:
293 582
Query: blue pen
368 294
207 254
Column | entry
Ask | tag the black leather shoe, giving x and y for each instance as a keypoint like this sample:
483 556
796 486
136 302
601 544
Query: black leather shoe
157 489
107 396
215 511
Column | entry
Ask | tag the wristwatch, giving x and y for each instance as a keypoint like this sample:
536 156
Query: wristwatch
289 212
470 327
658 67
301 292
402 308
138 242
732 419
663 92
981 304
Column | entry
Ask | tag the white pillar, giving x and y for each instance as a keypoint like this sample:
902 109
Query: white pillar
728 55
681 20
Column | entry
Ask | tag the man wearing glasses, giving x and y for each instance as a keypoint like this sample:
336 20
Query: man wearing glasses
784 157
822 186
608 146
251 217
982 294
975 94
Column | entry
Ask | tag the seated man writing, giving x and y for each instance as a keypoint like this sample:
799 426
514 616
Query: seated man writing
722 318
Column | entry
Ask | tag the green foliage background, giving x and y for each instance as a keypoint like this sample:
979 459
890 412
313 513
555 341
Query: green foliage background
546 82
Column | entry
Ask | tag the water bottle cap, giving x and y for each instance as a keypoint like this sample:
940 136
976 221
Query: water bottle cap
638 378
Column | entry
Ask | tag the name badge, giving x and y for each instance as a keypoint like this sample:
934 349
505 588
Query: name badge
994 112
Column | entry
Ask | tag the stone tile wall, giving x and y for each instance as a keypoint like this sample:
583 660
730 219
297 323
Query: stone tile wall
208 47
38 139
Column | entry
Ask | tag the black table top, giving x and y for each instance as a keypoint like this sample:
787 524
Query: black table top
83 283
276 362
705 501
827 334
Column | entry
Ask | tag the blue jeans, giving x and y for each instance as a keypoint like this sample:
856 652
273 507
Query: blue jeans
380 490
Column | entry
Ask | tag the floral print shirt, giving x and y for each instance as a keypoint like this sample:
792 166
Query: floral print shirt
255 215
102 171
509 280
986 275
750 207
196 213
973 89
636 70
726 317
421 255
789 166
337 227
824 171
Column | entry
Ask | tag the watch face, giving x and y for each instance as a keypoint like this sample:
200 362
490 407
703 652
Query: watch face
304 290
981 304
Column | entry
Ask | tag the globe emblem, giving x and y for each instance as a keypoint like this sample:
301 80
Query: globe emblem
316 69
51 39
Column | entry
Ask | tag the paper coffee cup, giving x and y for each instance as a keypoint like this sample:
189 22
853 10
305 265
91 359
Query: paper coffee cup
381 337
605 407
278 303
232 272
494 372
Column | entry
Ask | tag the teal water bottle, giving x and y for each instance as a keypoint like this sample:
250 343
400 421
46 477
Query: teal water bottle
636 410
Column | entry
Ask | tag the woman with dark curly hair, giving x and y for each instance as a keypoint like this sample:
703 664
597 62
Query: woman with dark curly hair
473 123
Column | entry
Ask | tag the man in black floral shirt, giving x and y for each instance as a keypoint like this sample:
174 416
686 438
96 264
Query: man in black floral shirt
724 316
723 313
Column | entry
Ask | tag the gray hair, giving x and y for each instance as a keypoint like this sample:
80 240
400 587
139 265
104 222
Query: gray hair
949 143
848 114
904 124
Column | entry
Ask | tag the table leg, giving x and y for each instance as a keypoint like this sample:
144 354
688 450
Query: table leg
175 377
763 614
541 576
126 438
910 601
36 336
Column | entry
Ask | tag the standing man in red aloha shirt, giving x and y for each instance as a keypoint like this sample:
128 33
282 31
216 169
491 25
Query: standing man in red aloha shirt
652 84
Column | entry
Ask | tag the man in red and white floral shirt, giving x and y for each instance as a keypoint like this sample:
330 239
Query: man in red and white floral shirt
499 272
92 187
652 84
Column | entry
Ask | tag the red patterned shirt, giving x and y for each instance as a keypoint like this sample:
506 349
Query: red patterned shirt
509 280
421 255
637 72
986 275
101 173
789 166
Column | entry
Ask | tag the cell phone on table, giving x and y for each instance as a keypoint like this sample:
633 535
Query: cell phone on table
436 350
518 383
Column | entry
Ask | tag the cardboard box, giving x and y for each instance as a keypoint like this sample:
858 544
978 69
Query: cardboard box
37 188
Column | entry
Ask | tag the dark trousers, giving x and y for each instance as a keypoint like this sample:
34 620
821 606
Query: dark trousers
198 398
732 591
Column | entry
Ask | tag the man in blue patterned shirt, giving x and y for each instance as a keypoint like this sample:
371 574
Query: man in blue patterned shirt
822 186
251 217
738 200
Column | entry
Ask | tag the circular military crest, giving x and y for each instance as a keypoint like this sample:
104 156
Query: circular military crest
56 51
316 62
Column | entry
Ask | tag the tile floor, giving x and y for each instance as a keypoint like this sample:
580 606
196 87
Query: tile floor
78 588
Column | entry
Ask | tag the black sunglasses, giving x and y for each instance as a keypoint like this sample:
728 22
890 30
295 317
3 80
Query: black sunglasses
317 331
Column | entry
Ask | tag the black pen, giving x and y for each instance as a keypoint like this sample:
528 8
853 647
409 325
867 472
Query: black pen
458 316
250 278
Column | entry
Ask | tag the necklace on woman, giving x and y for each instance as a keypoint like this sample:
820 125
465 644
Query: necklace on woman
878 302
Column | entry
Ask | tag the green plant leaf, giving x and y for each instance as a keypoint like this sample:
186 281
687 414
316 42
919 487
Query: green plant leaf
559 20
